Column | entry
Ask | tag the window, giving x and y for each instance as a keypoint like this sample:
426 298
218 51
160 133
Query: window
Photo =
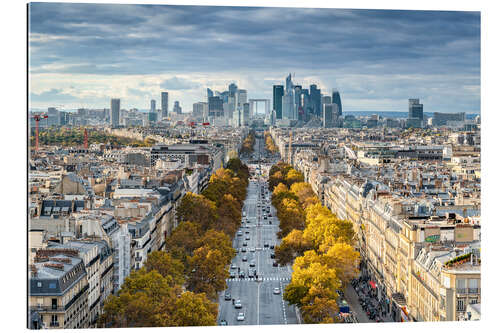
473 301
39 284
54 303
52 285
461 304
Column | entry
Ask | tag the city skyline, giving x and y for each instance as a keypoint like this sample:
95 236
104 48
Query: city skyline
183 50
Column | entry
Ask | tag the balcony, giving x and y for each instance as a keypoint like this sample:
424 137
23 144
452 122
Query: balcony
138 258
461 290
54 324
473 290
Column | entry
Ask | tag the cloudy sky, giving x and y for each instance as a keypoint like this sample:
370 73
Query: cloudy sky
81 55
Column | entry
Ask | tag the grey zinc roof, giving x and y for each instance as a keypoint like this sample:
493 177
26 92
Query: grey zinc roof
51 281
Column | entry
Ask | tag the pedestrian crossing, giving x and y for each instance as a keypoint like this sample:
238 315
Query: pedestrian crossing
264 279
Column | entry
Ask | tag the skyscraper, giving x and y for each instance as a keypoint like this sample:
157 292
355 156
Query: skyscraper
415 109
164 104
153 105
336 100
210 93
215 107
328 110
296 98
177 107
232 89
115 112
288 99
315 97
278 100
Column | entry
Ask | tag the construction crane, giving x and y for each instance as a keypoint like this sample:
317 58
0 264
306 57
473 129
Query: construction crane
85 139
37 118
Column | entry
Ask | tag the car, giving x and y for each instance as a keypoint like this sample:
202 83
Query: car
237 304
247 238
241 275
223 322
258 249
232 275
276 291
266 244
233 266
252 249
240 233
252 263
265 217
240 317
260 278
245 243
273 256
275 264
270 222
244 258
227 296
246 231
271 247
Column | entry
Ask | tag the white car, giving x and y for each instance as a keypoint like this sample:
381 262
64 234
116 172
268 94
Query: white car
240 317
252 249
276 291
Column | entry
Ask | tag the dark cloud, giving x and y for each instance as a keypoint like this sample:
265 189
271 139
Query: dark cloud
176 83
154 39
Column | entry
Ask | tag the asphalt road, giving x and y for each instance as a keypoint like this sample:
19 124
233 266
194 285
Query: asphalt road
259 303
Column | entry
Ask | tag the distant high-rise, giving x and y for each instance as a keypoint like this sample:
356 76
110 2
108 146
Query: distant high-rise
177 107
198 109
232 89
336 100
328 110
415 109
315 98
288 99
164 104
278 100
210 93
440 119
215 107
53 117
153 105
241 97
115 112
246 114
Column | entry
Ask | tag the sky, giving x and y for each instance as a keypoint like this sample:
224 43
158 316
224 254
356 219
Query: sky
82 55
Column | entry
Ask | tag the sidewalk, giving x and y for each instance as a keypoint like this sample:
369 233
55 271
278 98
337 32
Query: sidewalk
352 298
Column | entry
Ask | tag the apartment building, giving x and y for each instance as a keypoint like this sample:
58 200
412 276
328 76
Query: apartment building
58 290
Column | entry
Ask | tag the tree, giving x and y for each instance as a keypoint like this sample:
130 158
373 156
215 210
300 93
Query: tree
344 259
208 274
321 311
194 310
292 245
168 267
229 212
304 193
216 240
197 209
291 217
294 176
143 301
185 237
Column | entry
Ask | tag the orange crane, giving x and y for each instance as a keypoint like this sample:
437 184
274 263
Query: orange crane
37 118
85 139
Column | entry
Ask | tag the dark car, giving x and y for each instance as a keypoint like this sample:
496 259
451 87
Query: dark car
245 243
271 247
241 275
223 322
243 250
275 264
273 256
227 296
266 244
232 275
